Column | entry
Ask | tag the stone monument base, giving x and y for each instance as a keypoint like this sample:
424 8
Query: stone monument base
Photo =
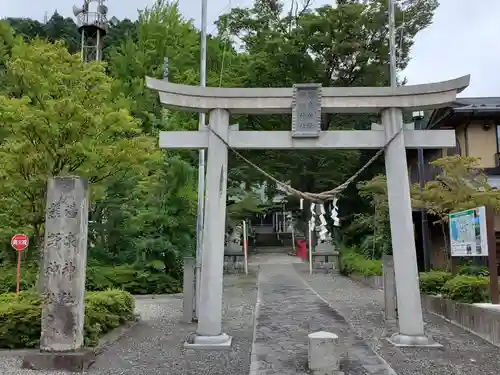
220 342
328 262
77 361
234 262
400 340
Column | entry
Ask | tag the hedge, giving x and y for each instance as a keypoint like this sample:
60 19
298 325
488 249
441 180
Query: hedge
432 282
132 279
21 317
353 262
468 289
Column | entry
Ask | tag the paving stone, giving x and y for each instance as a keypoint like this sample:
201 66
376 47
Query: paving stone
288 312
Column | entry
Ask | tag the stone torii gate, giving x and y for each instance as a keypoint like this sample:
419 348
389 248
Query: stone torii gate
306 102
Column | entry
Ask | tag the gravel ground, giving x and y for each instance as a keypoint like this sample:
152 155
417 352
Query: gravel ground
462 354
155 345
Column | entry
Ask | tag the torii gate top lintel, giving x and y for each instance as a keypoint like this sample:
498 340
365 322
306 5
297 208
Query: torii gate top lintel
333 99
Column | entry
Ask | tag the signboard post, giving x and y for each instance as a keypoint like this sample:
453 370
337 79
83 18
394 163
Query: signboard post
19 242
472 234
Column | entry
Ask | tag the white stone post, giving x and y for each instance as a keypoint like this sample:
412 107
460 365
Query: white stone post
411 326
324 353
209 333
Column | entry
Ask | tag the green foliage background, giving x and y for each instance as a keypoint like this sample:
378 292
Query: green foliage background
99 121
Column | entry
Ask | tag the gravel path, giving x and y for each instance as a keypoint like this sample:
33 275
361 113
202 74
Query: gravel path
462 354
288 311
155 345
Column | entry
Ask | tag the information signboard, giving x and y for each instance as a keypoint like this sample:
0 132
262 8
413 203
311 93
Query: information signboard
468 233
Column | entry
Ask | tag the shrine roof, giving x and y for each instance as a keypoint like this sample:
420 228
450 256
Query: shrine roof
476 108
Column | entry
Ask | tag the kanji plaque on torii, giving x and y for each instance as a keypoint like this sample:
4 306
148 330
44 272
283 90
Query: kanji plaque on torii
389 102
306 110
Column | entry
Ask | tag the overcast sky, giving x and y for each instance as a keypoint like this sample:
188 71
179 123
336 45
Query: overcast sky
464 38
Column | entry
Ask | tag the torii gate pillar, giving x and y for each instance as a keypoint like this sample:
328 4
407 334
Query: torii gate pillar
307 102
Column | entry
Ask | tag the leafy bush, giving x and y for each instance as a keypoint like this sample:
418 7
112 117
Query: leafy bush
20 317
432 282
472 270
468 289
353 262
131 279
135 280
8 277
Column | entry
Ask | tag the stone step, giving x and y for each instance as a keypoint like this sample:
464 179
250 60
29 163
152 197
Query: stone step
273 249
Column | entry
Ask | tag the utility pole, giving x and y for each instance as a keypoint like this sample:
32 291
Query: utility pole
201 158
392 45
418 118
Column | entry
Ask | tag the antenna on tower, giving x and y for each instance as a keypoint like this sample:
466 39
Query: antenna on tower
92 24
46 17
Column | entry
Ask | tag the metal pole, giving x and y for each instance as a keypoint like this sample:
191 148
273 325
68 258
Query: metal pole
201 158
245 245
392 45
310 251
418 118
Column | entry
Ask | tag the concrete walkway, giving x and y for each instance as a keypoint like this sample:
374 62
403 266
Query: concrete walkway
288 310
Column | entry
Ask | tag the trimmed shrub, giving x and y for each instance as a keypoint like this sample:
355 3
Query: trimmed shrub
468 289
132 279
353 262
472 270
432 282
20 317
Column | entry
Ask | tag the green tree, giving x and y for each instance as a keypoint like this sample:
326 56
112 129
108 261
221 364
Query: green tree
57 28
342 46
371 231
461 185
63 118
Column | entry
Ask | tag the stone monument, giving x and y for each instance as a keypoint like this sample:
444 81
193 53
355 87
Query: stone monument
63 280
325 256
234 258
306 103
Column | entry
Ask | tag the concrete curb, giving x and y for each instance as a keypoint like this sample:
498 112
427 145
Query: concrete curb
155 296
254 363
104 342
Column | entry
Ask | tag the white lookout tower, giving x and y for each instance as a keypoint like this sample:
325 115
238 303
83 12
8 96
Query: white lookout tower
92 23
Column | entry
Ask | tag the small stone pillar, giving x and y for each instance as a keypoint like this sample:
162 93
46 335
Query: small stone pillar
63 279
389 290
324 353
188 292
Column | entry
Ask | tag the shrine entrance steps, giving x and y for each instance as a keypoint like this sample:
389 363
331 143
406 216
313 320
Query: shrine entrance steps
273 243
